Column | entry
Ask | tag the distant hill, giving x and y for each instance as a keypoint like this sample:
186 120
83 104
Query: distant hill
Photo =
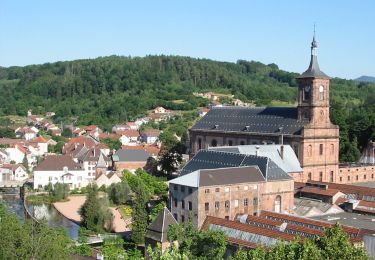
366 79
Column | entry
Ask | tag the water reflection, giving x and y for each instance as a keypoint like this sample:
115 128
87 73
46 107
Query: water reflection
46 211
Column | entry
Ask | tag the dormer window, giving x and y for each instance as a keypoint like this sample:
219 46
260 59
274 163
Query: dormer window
321 93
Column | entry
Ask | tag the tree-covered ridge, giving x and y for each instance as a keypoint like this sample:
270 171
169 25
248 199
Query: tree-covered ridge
114 89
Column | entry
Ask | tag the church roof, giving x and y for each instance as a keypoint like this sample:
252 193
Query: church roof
210 159
159 227
261 120
314 71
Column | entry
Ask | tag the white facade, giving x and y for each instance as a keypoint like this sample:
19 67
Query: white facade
19 174
74 178
15 154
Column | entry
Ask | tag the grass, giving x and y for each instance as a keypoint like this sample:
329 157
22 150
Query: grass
40 199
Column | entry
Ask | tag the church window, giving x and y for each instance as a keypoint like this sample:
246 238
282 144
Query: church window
321 93
348 178
331 176
309 176
306 93
278 204
320 176
340 179
321 149
199 143
356 178
309 150
213 143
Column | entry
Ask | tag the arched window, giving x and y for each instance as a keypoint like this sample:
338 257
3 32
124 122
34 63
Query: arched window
199 143
309 176
278 204
213 143
321 93
309 150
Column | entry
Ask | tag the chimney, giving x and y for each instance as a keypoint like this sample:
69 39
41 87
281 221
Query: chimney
282 152
257 150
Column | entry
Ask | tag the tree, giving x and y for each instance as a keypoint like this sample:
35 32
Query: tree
156 210
67 132
60 191
119 193
113 249
198 244
30 240
113 144
95 213
139 213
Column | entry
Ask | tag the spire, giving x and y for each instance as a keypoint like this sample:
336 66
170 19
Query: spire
314 71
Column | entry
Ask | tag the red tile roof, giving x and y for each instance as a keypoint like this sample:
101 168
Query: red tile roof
344 188
315 190
128 133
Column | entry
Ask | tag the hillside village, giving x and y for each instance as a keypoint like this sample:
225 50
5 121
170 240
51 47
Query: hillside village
249 175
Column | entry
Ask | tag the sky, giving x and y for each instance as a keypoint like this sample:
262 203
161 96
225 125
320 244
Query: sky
280 32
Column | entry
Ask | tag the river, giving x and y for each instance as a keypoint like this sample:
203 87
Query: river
47 211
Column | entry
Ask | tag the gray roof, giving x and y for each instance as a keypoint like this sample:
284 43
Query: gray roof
136 155
223 176
250 120
314 71
210 159
159 228
289 162
350 219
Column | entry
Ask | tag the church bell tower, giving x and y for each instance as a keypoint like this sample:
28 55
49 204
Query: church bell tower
313 92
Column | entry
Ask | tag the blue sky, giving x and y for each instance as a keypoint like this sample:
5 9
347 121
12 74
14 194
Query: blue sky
280 32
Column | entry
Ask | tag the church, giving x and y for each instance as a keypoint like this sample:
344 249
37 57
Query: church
307 128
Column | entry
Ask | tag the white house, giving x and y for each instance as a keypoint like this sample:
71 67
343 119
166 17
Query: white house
26 132
128 137
62 169
16 153
13 172
107 179
150 136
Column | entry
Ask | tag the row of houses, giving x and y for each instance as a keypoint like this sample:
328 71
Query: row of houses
85 160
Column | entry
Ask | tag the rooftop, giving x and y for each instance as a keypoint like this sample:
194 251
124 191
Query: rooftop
57 163
159 227
210 159
287 160
246 120
223 176
128 155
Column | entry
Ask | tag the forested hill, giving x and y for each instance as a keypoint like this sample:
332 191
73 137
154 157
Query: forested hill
114 89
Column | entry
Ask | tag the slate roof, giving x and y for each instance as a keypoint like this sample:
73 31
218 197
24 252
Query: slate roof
250 120
210 159
289 162
314 71
57 163
159 228
135 155
224 176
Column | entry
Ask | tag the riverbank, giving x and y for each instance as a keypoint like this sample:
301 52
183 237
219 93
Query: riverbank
70 209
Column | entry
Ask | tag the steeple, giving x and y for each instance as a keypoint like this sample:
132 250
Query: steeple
314 71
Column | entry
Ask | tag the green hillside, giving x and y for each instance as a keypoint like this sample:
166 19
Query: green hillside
114 89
